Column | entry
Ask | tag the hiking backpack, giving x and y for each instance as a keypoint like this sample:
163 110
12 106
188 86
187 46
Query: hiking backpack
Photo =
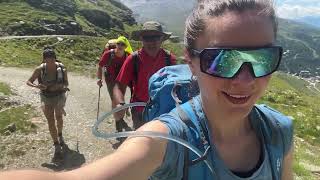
174 87
59 75
112 54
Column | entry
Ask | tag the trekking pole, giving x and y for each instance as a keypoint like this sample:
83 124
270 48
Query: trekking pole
98 103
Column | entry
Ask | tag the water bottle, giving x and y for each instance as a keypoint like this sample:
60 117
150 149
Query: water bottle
59 75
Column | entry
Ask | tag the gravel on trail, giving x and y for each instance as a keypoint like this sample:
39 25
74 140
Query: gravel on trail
36 149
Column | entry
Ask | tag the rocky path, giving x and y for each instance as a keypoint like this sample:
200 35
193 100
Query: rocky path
81 108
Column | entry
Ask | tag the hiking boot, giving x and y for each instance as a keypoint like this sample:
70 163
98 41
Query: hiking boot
122 125
118 126
125 126
61 140
57 156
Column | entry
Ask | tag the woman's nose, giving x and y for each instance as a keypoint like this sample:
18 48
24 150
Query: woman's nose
245 75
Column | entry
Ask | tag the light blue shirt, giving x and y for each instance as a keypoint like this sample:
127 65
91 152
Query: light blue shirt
172 166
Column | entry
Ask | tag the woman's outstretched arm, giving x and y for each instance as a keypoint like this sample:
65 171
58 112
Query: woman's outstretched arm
136 159
287 173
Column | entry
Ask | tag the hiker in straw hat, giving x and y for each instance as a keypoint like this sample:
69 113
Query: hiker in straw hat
139 66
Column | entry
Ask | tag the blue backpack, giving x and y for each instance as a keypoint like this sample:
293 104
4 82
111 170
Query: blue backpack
175 85
167 87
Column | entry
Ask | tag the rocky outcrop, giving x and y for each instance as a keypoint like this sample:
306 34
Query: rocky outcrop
67 17
61 26
65 7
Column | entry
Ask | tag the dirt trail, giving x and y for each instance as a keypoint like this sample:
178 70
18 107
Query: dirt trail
81 108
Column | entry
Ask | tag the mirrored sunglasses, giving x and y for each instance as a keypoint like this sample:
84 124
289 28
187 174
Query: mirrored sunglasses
121 44
227 62
151 38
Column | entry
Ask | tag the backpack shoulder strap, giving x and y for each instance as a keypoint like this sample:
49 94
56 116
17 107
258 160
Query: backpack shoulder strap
135 59
43 71
111 57
277 132
167 57
188 116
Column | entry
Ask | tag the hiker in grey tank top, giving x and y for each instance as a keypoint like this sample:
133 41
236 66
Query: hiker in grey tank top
230 48
53 83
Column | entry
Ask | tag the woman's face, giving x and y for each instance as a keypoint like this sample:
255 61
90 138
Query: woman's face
239 94
49 60
121 46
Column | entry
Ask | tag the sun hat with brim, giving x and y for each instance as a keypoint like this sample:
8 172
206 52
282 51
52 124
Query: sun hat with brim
111 42
150 26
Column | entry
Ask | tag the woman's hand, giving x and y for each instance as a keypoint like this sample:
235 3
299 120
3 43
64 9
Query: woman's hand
41 86
99 82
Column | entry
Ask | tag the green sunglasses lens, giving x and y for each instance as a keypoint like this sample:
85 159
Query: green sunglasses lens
227 62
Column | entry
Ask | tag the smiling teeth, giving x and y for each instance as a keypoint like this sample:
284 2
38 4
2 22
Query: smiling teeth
238 96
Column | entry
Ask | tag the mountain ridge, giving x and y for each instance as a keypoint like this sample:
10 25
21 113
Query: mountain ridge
69 17
299 40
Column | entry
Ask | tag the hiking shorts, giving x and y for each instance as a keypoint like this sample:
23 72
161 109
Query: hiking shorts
56 101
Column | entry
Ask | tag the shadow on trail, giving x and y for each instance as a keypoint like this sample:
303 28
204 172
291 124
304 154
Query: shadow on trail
116 145
71 160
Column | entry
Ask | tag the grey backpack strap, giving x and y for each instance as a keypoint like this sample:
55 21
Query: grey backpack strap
43 71
111 57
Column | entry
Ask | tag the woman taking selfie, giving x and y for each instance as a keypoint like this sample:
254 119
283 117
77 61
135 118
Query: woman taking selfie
230 48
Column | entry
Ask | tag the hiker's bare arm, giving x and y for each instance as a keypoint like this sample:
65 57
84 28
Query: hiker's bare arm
99 72
65 79
117 92
99 76
34 76
135 159
287 173
32 175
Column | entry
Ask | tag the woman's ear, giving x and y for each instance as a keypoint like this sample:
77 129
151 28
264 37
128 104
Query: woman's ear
188 60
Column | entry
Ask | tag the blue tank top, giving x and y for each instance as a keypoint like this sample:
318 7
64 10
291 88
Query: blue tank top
173 163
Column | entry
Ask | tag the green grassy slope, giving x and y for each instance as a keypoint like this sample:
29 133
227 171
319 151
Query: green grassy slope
291 96
35 17
79 54
302 45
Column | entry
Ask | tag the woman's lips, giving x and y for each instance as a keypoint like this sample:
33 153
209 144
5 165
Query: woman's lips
237 99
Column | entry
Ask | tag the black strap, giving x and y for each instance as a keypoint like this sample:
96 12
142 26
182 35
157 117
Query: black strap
136 59
167 57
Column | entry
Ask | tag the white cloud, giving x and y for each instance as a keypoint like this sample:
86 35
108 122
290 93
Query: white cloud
293 9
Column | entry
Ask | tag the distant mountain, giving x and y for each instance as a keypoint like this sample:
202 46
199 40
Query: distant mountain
311 20
300 41
87 17
171 13
302 47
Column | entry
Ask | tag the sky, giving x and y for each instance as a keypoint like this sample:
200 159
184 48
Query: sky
295 9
